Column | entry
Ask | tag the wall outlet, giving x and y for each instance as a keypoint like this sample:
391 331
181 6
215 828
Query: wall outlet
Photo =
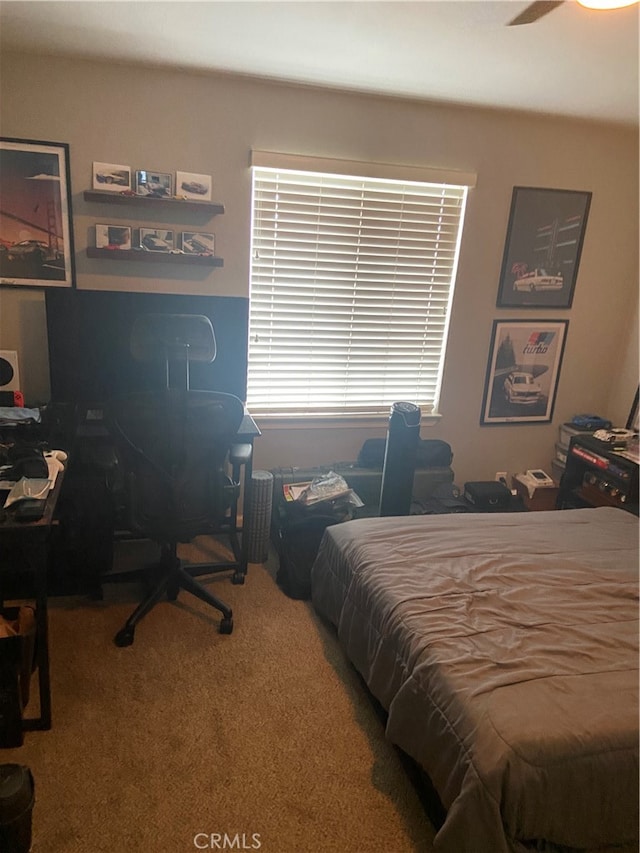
501 477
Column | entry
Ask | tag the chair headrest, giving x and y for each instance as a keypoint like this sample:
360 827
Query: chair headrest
172 337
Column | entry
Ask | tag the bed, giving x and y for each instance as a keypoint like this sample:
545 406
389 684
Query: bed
504 649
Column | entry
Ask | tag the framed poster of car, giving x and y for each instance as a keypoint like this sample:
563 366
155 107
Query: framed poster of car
153 184
111 177
523 371
543 246
193 186
115 237
36 228
156 240
197 243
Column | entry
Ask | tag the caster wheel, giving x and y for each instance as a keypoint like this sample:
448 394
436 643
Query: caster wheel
237 578
226 626
124 637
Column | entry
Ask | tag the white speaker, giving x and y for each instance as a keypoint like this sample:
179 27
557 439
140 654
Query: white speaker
9 372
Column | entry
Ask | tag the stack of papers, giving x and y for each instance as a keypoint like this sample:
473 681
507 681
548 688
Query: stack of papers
326 487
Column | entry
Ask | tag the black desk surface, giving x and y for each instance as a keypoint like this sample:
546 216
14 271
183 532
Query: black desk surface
248 427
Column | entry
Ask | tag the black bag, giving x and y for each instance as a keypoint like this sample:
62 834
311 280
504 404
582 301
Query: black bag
443 500
433 453
27 462
298 548
487 496
430 453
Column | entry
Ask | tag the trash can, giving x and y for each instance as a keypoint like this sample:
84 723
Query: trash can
400 459
17 796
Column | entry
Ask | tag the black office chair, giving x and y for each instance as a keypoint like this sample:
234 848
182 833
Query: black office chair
175 446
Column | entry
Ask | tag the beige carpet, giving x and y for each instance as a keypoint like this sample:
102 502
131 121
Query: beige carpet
265 735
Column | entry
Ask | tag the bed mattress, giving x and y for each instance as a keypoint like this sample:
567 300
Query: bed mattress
504 648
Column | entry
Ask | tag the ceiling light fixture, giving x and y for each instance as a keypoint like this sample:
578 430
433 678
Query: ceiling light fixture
606 4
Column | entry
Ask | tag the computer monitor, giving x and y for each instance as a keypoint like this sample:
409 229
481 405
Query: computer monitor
89 356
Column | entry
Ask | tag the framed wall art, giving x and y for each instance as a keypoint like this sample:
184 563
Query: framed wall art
111 177
193 186
153 184
197 243
115 237
523 371
36 228
156 240
543 246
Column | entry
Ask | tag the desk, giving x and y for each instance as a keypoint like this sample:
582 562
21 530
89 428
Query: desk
31 540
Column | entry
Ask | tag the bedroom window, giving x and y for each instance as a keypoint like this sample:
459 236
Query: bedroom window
352 277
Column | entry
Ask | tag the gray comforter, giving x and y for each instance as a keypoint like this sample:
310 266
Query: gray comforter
505 650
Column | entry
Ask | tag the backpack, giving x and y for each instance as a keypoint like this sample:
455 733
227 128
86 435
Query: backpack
430 453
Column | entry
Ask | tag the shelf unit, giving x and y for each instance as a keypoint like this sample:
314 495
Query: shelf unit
595 475
153 257
214 208
208 208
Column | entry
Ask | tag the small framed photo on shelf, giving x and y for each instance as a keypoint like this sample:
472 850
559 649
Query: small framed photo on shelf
156 240
193 186
197 243
111 177
116 237
153 184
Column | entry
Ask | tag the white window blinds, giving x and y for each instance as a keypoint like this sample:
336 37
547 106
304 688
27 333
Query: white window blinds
351 287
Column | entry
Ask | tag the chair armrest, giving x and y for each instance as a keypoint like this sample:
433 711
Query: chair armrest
240 454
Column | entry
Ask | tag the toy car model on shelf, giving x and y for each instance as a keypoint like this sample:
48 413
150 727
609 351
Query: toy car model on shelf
592 422
617 439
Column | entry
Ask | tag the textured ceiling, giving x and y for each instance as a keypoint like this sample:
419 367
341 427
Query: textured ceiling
573 62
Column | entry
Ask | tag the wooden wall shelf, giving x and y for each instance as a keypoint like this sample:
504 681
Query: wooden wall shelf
153 257
105 197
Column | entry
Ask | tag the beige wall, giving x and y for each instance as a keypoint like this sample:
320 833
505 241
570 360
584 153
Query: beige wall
171 120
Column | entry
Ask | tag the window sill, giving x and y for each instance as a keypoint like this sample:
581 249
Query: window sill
289 422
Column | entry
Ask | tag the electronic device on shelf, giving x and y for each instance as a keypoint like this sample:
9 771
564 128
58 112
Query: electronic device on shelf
538 477
613 489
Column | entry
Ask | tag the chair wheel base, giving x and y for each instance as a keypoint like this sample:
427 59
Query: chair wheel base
124 637
237 578
226 626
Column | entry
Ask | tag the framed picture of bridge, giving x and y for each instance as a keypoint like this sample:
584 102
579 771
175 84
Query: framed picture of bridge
36 229
542 251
